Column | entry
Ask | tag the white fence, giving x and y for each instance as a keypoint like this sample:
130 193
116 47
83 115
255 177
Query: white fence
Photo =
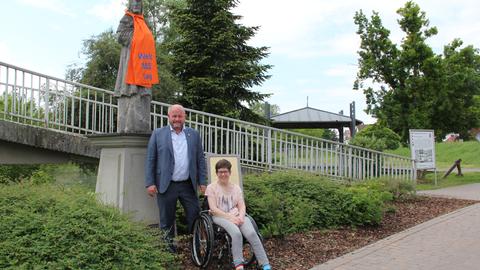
36 99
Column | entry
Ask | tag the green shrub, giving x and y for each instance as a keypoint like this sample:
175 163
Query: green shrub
377 137
373 143
361 205
65 174
277 216
326 134
394 188
286 202
72 173
41 177
53 227
16 173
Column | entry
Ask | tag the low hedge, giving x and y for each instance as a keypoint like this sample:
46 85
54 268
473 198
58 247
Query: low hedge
287 202
48 226
44 225
65 174
16 173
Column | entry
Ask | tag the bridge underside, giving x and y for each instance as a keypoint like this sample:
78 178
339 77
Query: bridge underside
22 144
15 153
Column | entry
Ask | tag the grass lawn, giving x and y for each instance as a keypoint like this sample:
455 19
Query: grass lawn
451 180
447 153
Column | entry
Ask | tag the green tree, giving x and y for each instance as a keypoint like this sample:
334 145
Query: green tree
324 133
156 13
103 52
212 60
461 82
410 86
377 137
259 108
18 107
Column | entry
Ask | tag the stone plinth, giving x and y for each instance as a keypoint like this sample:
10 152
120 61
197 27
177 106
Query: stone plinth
121 175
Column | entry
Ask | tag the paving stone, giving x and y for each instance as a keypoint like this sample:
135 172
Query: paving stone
451 241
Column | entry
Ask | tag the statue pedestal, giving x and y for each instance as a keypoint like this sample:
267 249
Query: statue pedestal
121 175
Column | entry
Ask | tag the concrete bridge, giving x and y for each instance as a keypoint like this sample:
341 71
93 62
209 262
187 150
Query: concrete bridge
24 144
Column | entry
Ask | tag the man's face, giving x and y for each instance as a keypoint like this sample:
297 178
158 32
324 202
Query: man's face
135 6
176 117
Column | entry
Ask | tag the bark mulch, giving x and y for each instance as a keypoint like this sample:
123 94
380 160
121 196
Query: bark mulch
304 250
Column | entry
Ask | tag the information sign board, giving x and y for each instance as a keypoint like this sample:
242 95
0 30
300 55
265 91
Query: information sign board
422 146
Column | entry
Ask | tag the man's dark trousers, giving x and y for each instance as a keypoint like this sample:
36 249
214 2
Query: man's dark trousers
167 203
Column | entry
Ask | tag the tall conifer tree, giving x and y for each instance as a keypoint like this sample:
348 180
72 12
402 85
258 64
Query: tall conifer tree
216 67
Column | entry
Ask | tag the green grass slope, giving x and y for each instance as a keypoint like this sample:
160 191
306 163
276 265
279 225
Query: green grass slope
447 153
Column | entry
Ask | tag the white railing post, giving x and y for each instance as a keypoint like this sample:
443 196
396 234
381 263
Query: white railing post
350 163
47 100
269 149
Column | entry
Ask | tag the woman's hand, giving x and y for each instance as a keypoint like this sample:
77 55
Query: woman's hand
235 220
241 218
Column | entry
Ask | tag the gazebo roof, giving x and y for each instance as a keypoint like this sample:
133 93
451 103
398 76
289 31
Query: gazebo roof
311 118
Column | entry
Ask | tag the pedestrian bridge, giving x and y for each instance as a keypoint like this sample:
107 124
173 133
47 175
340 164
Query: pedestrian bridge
62 113
27 144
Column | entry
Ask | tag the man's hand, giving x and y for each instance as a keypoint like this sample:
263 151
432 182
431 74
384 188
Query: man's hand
203 188
152 190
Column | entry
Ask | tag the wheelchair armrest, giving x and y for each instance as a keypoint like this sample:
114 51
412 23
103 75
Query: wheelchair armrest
204 204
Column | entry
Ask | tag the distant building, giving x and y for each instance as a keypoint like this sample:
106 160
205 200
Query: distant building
475 132
451 137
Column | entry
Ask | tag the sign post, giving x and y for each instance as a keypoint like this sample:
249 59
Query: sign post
422 147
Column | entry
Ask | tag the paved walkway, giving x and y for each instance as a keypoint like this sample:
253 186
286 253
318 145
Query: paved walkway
469 192
451 241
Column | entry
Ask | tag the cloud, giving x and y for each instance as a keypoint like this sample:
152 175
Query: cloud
288 26
311 28
109 11
301 29
57 6
5 53
313 35
347 71
344 44
3 50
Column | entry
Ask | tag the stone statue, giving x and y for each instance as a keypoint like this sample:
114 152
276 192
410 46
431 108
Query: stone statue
137 71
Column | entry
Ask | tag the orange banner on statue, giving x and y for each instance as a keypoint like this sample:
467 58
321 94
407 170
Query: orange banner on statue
142 65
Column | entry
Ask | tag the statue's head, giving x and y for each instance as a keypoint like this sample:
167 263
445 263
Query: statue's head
135 6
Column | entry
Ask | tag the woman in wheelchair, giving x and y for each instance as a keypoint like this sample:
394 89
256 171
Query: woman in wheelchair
227 207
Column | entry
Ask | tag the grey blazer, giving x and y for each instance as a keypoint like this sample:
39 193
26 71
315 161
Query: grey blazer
160 159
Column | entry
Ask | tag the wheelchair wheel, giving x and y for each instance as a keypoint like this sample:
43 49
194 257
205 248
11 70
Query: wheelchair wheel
202 240
248 255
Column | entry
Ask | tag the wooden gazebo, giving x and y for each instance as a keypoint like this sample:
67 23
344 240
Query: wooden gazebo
314 118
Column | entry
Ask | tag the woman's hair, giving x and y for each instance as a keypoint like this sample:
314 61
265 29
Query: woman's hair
223 164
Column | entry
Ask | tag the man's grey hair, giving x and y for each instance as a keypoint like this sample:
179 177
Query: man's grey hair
176 106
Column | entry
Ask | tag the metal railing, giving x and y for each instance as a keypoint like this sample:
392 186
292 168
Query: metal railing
32 98
35 99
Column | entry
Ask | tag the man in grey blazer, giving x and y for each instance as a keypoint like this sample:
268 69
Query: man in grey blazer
175 166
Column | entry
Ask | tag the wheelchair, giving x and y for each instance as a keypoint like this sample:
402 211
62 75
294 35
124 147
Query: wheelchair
210 241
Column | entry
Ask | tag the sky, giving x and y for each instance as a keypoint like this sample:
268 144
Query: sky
312 43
